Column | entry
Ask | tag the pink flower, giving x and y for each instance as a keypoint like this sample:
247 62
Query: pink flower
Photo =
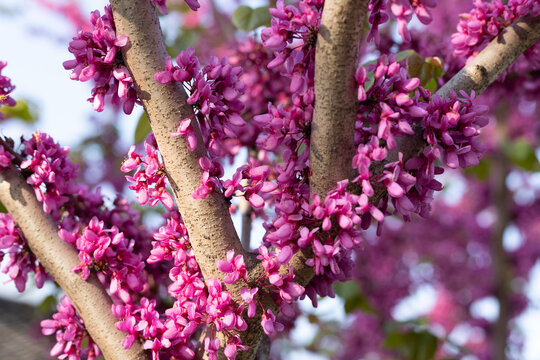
234 267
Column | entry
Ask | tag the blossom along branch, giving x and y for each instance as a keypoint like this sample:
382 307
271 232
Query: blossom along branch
336 105
475 77
208 222
320 223
491 62
58 257
211 231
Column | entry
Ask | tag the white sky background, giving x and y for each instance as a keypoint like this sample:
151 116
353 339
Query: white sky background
35 66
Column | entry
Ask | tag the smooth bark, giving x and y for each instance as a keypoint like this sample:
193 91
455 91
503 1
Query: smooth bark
495 58
336 102
209 224
210 228
58 257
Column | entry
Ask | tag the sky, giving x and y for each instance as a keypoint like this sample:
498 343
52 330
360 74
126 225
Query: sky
34 43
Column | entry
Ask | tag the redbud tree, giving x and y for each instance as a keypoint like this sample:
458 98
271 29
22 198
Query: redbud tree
343 115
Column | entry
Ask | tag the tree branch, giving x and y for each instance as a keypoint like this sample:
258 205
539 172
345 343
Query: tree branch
58 257
246 211
211 230
477 75
209 224
502 199
491 62
336 103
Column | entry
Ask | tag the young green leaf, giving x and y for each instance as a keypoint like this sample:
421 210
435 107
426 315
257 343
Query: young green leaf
24 110
143 129
248 19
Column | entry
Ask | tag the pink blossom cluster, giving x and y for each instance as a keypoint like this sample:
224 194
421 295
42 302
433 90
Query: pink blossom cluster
72 339
51 171
485 21
402 11
20 259
197 303
251 181
456 259
392 107
103 248
48 168
274 283
111 256
263 84
97 56
150 178
282 284
6 156
214 92
292 36
452 127
6 88
162 5
201 303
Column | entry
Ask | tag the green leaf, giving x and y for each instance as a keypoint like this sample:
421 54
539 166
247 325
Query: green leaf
369 81
24 110
143 129
395 340
47 305
414 65
402 55
438 68
354 300
3 209
521 153
247 19
426 346
427 70
431 85
480 171
413 345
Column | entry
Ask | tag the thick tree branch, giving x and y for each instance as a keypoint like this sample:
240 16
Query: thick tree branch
477 75
501 52
58 258
210 228
336 103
